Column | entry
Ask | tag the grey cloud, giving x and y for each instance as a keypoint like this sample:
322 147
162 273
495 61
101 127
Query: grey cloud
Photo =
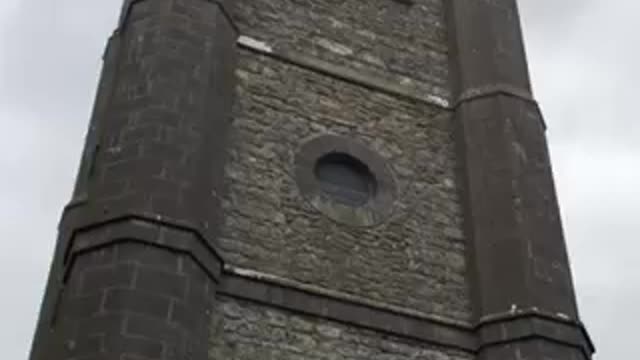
578 57
50 57
583 72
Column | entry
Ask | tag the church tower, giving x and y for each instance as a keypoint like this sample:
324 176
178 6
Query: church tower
313 179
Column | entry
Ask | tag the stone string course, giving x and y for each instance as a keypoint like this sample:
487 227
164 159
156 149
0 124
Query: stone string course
245 331
414 259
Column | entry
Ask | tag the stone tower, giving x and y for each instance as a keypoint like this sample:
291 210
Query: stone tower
313 179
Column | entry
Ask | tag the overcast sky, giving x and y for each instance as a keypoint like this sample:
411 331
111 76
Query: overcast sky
582 55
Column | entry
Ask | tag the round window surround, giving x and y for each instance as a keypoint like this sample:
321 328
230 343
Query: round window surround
345 180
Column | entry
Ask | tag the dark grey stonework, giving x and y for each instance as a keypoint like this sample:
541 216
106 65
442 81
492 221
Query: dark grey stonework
402 43
198 228
413 259
246 331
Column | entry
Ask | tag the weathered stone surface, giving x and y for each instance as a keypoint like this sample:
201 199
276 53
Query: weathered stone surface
246 331
400 42
415 259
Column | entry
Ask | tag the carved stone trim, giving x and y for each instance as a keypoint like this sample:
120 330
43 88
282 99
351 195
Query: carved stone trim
356 77
533 324
353 313
375 210
162 233
499 330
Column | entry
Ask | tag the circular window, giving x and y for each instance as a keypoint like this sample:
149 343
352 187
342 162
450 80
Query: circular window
345 179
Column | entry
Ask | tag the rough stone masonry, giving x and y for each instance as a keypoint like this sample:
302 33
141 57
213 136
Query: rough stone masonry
214 215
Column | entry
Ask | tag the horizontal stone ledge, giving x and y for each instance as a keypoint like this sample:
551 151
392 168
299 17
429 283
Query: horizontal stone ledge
76 202
343 73
149 230
499 330
471 95
492 330
249 286
526 324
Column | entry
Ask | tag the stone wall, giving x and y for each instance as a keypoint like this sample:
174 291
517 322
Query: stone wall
414 259
247 331
391 39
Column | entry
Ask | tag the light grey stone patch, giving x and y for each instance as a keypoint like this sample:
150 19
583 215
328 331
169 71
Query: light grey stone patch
254 44
335 47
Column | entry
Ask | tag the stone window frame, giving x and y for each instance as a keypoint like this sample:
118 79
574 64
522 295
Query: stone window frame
379 206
